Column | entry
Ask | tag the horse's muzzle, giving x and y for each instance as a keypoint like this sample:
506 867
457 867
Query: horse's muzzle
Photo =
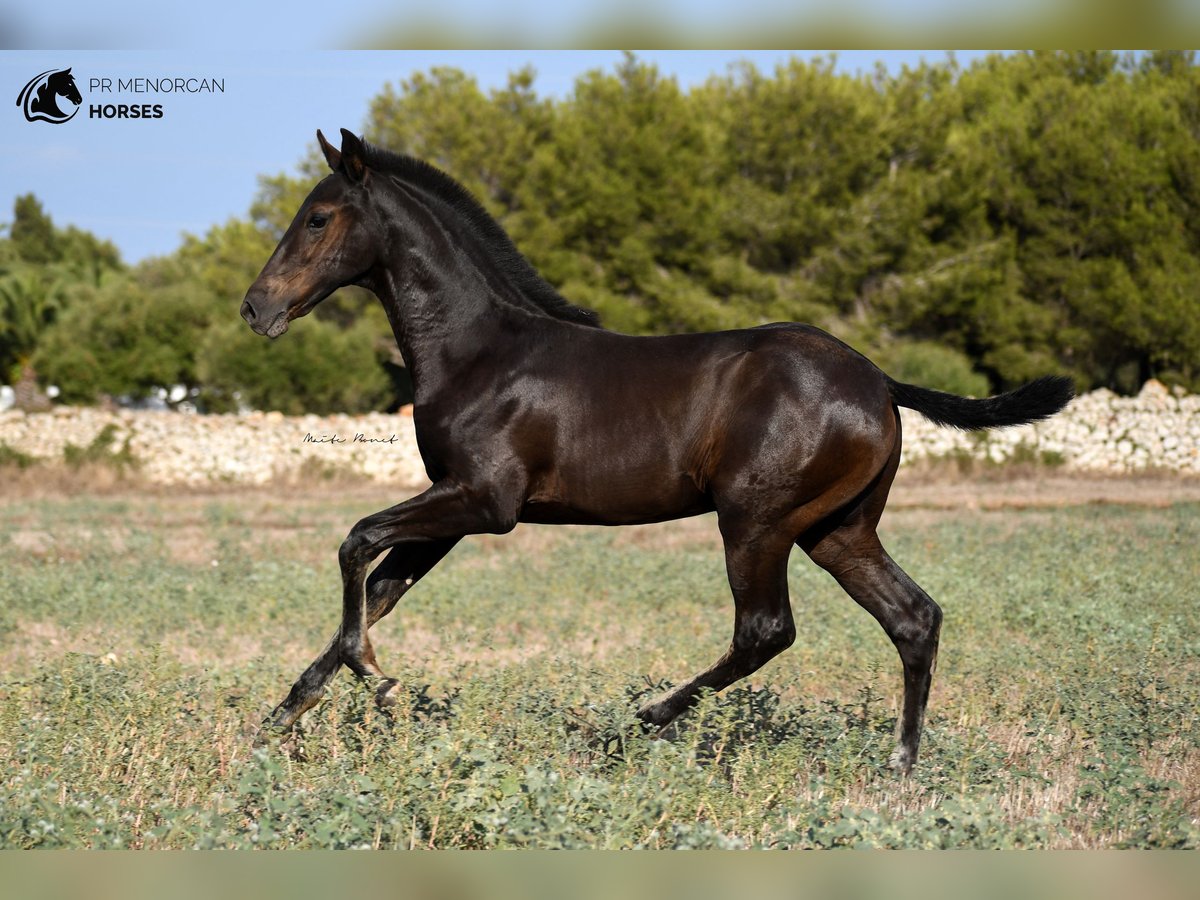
261 319
249 313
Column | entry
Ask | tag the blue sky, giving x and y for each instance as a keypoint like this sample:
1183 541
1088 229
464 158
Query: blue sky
301 25
142 184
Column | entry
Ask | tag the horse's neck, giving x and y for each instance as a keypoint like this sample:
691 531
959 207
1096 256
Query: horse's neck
444 322
447 312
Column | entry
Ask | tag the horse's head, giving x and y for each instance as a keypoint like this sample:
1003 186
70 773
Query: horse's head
334 240
63 84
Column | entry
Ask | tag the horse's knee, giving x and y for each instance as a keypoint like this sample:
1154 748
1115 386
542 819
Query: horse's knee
348 551
352 552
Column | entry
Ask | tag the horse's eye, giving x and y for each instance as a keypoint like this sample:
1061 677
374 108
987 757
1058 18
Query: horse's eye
317 221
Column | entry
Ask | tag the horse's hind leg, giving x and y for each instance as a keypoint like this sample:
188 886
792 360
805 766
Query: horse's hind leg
853 555
387 584
403 567
756 561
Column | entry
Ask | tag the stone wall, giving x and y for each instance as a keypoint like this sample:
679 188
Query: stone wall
1098 432
247 448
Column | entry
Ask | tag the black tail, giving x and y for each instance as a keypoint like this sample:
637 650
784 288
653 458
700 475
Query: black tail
1039 399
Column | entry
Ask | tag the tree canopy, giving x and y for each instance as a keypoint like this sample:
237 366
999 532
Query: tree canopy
967 228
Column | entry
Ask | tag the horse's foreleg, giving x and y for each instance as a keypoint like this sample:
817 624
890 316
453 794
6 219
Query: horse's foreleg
422 529
444 513
389 582
763 627
402 568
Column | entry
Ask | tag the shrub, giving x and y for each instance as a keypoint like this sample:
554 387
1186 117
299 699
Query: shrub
101 450
10 456
933 366
123 338
315 367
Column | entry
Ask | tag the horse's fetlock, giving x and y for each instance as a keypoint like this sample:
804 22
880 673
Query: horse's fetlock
350 650
785 635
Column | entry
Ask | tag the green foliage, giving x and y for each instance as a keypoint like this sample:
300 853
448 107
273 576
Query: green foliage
102 451
40 267
32 232
1031 214
35 240
931 365
29 303
125 337
795 150
224 262
316 367
11 456
174 321
1035 213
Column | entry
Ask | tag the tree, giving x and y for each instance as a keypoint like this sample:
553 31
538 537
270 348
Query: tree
32 233
40 266
125 337
1031 213
316 367
36 241
29 302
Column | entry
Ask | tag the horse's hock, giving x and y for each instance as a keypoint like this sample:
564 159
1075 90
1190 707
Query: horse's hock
1099 432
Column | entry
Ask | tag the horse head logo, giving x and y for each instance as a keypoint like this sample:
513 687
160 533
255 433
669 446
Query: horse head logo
39 98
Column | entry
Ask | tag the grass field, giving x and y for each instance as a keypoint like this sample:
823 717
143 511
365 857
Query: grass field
144 635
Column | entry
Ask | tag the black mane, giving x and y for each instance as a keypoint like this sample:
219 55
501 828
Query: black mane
423 175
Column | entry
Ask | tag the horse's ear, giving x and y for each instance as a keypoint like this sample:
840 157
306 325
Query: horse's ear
333 156
354 163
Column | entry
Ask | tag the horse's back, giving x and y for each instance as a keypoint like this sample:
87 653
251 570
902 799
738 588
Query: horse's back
657 427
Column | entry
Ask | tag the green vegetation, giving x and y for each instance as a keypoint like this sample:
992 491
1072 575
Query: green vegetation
969 228
138 660
10 456
323 367
102 451
40 266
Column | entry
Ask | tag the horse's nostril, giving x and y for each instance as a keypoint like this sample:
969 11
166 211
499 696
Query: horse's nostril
248 312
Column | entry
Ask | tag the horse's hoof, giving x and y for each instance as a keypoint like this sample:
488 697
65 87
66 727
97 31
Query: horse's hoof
655 714
901 761
657 721
388 694
668 732
269 733
276 727
284 739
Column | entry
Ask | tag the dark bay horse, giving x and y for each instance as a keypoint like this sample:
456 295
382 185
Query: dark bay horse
526 410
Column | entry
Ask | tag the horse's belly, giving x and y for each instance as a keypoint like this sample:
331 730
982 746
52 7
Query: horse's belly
613 499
